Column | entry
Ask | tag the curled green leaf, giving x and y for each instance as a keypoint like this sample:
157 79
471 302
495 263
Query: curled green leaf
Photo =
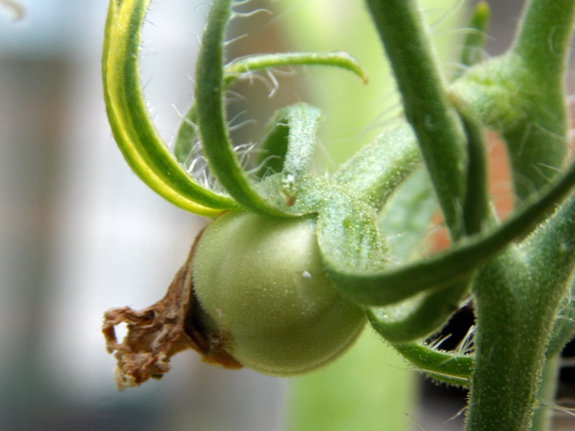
239 67
186 136
403 323
303 123
288 147
454 369
273 147
245 65
131 125
213 130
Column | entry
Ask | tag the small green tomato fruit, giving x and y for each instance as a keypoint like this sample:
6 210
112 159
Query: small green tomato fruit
267 294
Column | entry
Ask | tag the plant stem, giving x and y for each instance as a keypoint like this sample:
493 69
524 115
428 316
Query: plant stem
546 394
511 340
510 357
538 145
415 66
543 37
517 296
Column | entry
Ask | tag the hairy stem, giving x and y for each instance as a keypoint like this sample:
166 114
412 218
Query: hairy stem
427 109
543 37
510 347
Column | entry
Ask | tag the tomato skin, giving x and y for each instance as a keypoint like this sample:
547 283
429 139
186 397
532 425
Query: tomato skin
263 285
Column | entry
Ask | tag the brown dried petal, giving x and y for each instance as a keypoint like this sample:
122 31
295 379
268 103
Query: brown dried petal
158 332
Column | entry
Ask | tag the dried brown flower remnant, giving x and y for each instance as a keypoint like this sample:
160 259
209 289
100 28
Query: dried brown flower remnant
160 331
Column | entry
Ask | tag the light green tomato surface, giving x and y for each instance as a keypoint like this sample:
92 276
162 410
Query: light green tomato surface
263 283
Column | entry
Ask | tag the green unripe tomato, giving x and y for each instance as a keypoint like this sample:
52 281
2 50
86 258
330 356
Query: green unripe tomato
263 285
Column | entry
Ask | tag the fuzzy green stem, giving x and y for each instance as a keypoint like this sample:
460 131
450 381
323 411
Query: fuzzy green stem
513 327
517 297
537 61
439 132
374 173
510 344
522 94
543 38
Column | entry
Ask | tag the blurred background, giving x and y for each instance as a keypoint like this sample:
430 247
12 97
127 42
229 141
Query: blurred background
80 234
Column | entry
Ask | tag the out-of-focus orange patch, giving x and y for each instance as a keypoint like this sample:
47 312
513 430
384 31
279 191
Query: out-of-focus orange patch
500 188
500 185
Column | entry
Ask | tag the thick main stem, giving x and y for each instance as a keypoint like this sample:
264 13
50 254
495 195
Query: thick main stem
511 341
517 296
